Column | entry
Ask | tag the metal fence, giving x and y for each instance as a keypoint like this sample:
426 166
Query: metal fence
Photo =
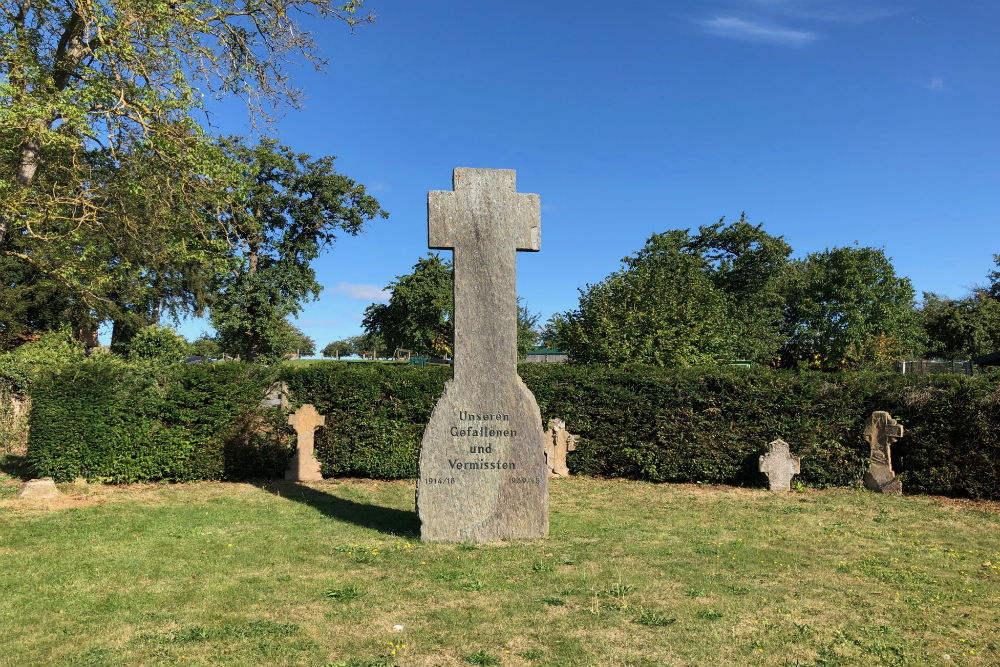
925 367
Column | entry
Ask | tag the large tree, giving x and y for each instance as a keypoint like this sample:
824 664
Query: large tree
419 314
748 265
660 308
846 307
338 348
684 299
291 210
109 183
961 328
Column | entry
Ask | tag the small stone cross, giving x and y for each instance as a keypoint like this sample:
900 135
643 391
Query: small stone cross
881 431
779 466
304 467
558 442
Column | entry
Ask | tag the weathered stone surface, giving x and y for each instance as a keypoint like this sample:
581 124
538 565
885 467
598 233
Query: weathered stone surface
39 488
482 458
558 442
881 431
304 467
779 465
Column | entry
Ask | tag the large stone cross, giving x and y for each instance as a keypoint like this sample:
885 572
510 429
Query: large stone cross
304 467
482 463
779 465
484 220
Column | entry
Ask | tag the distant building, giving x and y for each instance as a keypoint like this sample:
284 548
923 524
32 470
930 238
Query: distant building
543 355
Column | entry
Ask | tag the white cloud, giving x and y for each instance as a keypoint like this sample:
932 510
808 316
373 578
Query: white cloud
936 83
362 292
842 11
731 27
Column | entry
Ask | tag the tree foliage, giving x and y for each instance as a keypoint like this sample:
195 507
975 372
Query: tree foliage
961 328
683 299
338 348
419 314
660 308
291 210
847 307
110 187
156 343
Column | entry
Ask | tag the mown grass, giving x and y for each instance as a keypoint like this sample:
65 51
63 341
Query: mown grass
632 574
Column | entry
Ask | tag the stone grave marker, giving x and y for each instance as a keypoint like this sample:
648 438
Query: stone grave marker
482 457
779 465
304 467
39 488
558 442
881 431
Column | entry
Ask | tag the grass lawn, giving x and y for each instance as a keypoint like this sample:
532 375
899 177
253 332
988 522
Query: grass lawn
632 574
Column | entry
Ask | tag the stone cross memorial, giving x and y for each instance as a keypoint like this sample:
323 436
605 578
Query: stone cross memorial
779 465
482 463
880 432
304 467
558 442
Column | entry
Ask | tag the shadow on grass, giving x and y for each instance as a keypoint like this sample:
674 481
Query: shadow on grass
387 520
15 466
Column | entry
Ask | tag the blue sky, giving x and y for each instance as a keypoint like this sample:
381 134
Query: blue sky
831 122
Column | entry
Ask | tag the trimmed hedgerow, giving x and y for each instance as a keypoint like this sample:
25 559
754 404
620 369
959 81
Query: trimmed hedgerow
107 420
111 421
375 414
687 425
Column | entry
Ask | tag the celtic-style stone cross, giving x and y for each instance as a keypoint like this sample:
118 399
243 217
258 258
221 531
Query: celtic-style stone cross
304 467
482 464
779 465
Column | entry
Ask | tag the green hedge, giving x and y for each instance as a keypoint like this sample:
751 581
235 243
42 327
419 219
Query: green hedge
375 414
691 425
111 421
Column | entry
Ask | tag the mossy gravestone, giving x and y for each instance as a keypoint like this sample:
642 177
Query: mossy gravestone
482 463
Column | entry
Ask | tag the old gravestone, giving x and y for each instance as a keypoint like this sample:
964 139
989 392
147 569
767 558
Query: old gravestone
881 431
482 464
39 488
779 465
304 467
558 443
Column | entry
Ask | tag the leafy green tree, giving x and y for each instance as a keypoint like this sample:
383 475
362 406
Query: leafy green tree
291 210
994 278
297 342
419 313
846 307
961 328
661 308
748 265
205 346
109 183
550 335
527 336
157 343
369 343
127 74
338 348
